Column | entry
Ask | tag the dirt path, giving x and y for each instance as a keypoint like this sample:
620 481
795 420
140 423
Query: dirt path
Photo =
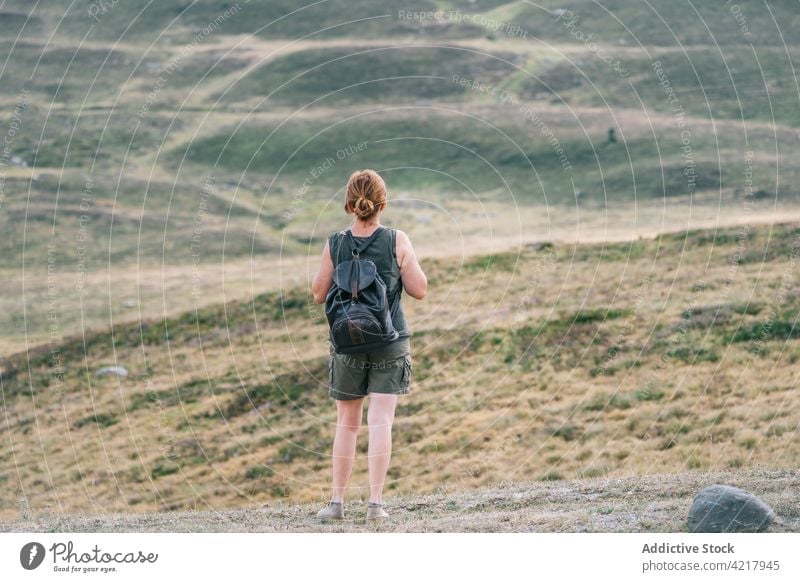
653 503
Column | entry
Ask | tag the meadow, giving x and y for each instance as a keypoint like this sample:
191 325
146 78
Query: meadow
600 307
554 362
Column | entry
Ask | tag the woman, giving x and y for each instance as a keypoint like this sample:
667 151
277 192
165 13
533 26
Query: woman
381 374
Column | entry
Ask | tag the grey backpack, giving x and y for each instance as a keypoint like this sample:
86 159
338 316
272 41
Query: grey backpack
356 306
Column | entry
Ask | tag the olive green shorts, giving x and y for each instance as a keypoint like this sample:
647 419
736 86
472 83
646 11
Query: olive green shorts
386 371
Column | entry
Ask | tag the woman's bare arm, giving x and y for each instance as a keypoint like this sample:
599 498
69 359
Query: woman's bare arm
324 278
414 280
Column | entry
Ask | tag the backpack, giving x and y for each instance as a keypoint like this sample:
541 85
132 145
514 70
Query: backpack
356 306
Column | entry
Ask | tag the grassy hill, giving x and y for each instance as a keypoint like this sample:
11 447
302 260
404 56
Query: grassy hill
657 23
488 151
547 363
169 171
145 104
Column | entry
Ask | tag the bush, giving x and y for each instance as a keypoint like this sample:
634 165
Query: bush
258 472
161 469
102 420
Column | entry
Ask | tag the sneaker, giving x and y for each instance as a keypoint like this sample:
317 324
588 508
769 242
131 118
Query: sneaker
334 510
375 511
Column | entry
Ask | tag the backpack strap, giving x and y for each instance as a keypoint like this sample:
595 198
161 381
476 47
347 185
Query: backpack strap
357 251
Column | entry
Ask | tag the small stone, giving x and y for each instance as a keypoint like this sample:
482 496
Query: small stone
721 508
112 371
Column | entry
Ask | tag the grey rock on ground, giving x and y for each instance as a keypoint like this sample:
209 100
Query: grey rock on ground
721 508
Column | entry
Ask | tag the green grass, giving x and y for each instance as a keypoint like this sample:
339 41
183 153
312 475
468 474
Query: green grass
453 152
735 321
287 390
734 83
187 393
259 472
204 67
19 22
505 262
598 315
62 75
614 20
566 432
420 140
661 22
101 420
150 220
219 322
267 18
782 328
603 402
163 469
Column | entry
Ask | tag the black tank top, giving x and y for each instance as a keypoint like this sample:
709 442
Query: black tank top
382 252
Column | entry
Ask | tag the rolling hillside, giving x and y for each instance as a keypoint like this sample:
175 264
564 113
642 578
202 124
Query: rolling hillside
129 127
600 307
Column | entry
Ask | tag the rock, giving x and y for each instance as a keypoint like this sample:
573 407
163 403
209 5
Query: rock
266 407
112 371
721 508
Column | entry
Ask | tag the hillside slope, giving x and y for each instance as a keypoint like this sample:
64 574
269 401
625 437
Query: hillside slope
552 362
134 126
169 178
653 503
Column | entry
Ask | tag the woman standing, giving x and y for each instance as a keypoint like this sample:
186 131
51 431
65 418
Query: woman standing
381 374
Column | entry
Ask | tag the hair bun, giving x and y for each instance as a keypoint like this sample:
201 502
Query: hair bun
366 194
364 207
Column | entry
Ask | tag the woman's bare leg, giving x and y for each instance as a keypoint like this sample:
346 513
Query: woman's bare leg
348 422
380 416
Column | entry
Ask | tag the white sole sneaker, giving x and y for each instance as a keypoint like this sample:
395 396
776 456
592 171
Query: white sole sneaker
331 511
375 511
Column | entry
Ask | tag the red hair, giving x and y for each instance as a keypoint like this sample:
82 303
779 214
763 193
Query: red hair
366 194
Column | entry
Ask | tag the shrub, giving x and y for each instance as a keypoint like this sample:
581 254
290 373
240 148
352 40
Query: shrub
102 420
258 472
161 469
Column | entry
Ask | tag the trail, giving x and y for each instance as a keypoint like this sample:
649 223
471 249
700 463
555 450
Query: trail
652 503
